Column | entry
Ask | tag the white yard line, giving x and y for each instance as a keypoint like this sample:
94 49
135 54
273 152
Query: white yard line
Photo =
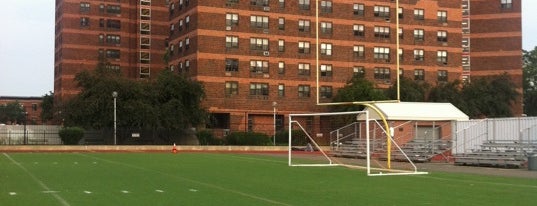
477 182
45 187
193 181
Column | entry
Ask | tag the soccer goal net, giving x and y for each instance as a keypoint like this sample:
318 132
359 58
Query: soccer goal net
349 139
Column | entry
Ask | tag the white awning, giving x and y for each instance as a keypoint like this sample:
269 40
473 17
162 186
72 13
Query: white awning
422 111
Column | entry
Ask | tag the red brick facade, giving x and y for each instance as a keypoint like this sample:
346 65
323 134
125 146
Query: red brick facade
251 53
90 31
31 105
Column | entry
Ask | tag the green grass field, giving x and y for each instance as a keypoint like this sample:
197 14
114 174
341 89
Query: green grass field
233 179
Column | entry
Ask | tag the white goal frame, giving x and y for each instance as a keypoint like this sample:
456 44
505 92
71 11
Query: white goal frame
331 162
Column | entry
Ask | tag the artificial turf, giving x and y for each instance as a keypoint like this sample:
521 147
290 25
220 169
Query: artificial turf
233 179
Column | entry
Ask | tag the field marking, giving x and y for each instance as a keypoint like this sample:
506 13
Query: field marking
12 193
125 191
45 187
159 191
190 180
87 192
479 182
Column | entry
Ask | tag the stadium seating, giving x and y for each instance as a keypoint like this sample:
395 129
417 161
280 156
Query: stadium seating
508 154
416 150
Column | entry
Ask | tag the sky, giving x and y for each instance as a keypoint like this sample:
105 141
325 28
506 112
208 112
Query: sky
27 44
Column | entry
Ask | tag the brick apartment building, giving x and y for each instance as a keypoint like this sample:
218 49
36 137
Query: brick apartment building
257 58
31 105
126 35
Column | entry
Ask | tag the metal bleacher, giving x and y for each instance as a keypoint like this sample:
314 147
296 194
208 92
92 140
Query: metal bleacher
508 154
416 150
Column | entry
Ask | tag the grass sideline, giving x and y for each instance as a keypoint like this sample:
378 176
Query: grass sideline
233 179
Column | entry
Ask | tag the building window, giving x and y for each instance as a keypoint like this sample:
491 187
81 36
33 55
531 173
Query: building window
506 4
382 31
400 52
358 30
84 21
145 28
326 70
281 23
259 2
419 35
326 6
187 22
232 65
144 57
326 49
326 27
259 67
232 88
187 43
304 69
180 27
358 71
442 76
112 67
382 73
303 91
441 36
325 92
281 67
261 44
441 16
84 7
281 45
400 33
358 51
180 47
281 3
113 53
113 39
358 9
304 4
303 25
113 9
419 14
232 19
418 54
232 42
145 14
400 12
101 38
442 57
259 22
259 89
113 24
381 11
303 47
281 90
145 43
381 53
419 75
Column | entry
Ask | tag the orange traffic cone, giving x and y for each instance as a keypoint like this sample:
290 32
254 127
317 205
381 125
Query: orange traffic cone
174 149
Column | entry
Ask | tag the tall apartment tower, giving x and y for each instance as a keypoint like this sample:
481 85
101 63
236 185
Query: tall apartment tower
125 35
258 57
494 46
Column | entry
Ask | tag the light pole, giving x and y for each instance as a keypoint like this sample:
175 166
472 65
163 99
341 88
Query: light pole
114 94
274 104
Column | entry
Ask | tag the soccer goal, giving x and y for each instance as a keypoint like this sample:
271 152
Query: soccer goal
349 139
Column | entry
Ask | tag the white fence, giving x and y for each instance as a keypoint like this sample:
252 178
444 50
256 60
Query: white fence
469 135
29 134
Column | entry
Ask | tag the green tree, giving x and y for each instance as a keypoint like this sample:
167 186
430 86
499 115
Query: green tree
47 107
12 113
357 89
448 92
410 91
170 101
489 96
530 82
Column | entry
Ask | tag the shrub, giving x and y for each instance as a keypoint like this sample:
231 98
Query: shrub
247 138
299 138
206 137
71 135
